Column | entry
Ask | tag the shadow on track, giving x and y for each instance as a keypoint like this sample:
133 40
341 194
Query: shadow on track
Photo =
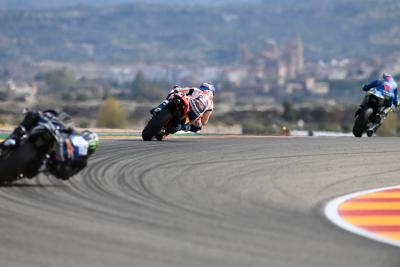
167 140
27 185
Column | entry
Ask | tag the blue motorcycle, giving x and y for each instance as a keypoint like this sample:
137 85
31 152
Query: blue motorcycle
372 113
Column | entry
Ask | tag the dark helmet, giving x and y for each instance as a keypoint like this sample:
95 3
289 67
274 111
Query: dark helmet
207 86
63 117
387 77
66 119
92 139
50 113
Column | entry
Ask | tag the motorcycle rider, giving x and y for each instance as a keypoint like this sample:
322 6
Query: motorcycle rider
30 120
201 106
71 153
386 88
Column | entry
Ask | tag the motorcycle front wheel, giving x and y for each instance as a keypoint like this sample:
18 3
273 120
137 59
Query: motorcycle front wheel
18 161
360 124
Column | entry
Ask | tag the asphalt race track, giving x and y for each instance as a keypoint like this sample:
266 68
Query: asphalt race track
201 202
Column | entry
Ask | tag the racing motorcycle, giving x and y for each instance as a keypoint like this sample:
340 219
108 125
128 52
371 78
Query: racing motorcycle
166 121
371 115
34 148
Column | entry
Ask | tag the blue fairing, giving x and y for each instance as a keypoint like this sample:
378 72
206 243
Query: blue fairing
384 89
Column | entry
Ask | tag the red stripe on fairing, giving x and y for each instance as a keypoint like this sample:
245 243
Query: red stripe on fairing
360 200
369 212
381 228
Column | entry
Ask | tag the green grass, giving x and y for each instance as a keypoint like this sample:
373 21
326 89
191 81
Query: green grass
3 135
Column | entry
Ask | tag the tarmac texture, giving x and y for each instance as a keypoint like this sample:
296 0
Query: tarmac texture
200 202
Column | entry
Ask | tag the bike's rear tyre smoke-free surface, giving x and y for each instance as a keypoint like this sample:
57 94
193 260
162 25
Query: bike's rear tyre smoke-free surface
155 124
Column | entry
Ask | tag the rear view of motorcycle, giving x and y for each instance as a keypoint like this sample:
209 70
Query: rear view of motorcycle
371 114
166 121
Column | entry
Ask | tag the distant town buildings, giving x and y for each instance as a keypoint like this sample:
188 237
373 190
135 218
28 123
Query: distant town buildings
279 70
19 91
275 71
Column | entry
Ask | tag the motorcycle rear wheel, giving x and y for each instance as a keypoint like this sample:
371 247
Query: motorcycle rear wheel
154 126
160 136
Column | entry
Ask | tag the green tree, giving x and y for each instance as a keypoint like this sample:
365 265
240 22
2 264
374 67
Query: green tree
60 80
112 114
81 97
289 113
66 96
139 84
143 89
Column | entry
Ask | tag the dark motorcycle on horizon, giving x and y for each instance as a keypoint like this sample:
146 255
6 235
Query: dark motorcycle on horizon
371 114
166 121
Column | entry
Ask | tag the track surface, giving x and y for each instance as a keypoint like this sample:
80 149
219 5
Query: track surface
200 202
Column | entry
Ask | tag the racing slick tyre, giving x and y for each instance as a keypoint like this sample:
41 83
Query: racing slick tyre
159 137
361 121
154 126
16 162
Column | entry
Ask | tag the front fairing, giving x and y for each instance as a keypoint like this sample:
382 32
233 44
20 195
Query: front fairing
376 93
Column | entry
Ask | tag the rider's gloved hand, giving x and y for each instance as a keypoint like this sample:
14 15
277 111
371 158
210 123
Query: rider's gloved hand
69 130
364 87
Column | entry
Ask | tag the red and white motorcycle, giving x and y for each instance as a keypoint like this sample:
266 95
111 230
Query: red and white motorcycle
167 120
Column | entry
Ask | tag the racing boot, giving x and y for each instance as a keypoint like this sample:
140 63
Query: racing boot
157 109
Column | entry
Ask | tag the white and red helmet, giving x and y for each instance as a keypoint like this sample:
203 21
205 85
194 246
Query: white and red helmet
207 86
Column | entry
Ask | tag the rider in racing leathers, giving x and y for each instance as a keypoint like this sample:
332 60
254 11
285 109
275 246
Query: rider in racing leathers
71 155
387 89
201 106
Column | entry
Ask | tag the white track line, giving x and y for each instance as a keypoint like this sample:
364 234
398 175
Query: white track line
331 212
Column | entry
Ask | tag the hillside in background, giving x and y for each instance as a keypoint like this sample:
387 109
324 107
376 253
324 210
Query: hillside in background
195 34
